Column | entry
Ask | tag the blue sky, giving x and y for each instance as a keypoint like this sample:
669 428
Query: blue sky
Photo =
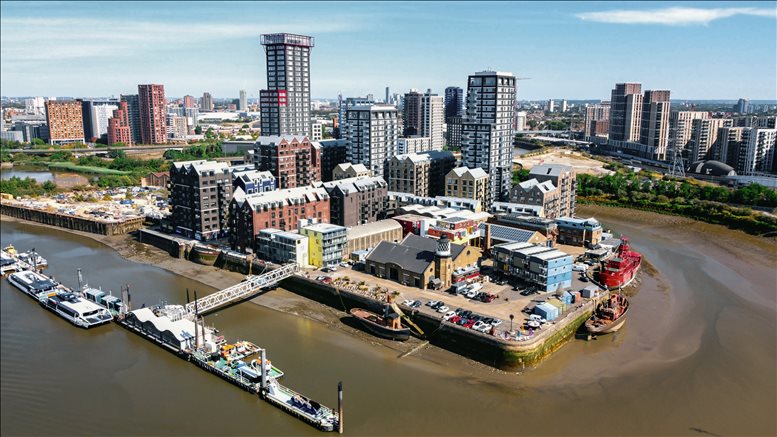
572 50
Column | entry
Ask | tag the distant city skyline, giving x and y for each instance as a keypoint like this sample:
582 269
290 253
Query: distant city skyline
577 51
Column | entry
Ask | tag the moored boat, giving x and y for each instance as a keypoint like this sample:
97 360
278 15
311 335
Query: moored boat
75 309
205 255
33 259
380 326
622 268
7 263
609 316
33 283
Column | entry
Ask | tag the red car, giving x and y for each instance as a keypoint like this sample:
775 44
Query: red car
469 323
454 319
489 298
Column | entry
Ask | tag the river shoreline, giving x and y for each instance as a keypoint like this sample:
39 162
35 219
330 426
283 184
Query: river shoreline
697 355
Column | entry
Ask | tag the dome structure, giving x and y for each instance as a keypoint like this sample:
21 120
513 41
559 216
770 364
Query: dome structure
711 168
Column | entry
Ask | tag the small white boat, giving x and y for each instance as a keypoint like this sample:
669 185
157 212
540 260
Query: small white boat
7 263
33 259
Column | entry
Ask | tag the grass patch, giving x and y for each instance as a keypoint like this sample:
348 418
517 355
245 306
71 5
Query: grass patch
86 169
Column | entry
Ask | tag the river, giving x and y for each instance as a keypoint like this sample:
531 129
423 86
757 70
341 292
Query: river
696 357
62 179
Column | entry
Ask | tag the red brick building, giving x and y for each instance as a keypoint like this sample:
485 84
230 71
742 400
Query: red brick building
119 126
153 117
295 161
279 209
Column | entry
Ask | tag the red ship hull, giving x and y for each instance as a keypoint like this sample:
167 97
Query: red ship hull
621 269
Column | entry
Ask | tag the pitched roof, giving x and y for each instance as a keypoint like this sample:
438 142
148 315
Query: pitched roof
544 187
413 254
508 234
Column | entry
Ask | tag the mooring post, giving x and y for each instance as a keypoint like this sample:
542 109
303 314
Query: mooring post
262 366
340 407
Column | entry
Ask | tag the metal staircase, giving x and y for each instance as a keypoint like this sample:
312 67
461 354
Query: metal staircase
248 287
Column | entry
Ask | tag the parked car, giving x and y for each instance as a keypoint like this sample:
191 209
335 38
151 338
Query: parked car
579 267
455 319
432 303
496 322
485 328
344 264
478 325
471 294
407 302
320 278
489 298
438 305
449 315
329 269
416 304
469 323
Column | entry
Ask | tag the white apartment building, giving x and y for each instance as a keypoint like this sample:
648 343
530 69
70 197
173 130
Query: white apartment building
371 132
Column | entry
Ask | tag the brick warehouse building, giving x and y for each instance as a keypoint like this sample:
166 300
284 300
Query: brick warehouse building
279 209
295 161
199 196
356 201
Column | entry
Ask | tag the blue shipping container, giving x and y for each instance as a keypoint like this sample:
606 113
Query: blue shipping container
546 311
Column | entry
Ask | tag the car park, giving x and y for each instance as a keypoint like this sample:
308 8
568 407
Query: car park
454 319
437 304
432 303
471 294
469 323
407 302
496 322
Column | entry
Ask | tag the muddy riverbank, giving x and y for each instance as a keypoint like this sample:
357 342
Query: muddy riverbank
697 354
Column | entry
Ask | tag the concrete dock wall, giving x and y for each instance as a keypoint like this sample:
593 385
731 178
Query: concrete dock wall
71 222
485 348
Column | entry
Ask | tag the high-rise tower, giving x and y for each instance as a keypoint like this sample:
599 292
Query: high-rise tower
285 104
487 130
153 117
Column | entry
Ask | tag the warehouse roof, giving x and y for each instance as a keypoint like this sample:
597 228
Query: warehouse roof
413 254
373 228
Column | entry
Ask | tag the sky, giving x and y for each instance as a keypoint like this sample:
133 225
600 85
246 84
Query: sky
571 50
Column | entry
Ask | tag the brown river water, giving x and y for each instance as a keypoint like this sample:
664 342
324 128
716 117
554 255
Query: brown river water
698 356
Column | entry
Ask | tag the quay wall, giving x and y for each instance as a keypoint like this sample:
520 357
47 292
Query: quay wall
72 222
485 348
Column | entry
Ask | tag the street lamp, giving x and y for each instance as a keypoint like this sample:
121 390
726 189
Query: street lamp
511 322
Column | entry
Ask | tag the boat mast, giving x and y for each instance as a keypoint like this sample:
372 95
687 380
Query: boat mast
80 282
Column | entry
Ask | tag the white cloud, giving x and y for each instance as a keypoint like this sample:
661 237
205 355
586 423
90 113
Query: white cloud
675 16
41 39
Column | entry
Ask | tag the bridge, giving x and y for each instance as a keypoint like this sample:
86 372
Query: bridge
98 149
250 286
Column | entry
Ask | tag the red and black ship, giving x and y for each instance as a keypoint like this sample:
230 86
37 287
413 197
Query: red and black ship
622 268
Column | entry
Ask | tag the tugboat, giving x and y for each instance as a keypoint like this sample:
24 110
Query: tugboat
609 316
387 327
622 268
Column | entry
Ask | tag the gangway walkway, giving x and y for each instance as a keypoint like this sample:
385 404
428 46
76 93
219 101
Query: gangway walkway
250 286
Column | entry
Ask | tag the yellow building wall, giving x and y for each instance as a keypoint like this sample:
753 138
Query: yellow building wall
315 248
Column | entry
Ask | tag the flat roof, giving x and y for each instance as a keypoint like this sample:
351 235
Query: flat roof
324 227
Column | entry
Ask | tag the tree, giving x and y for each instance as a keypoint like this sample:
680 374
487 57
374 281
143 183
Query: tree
37 142
49 186
198 130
